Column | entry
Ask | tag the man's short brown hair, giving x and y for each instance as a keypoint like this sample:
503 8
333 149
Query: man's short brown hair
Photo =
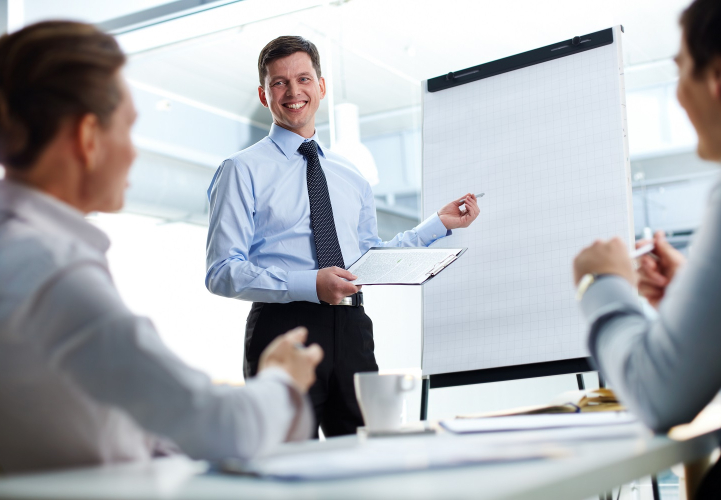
283 46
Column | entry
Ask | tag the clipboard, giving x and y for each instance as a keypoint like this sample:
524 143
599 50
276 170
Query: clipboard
402 266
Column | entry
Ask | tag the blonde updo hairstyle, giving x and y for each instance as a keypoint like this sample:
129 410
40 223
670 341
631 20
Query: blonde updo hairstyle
51 72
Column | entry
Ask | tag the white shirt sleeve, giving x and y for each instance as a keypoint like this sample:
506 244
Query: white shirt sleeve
119 360
230 236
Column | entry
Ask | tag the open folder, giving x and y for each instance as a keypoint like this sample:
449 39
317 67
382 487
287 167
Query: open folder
402 266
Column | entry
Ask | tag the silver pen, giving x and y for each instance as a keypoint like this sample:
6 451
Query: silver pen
642 251
479 195
462 208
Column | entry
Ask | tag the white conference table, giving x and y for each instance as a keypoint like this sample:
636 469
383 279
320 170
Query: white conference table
591 466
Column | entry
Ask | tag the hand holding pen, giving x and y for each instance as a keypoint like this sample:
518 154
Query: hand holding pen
453 216
656 270
462 201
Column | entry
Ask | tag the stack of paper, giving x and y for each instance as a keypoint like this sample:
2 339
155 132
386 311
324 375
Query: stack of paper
535 422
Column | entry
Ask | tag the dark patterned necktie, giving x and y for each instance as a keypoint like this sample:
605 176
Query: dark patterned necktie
327 247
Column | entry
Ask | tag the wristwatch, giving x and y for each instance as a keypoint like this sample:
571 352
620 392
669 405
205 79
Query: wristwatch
586 281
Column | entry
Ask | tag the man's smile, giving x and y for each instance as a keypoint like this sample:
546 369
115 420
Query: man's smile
295 105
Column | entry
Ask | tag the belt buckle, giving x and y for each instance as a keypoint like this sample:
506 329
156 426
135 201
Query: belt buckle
355 300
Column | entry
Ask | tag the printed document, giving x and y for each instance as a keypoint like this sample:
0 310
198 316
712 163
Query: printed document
402 266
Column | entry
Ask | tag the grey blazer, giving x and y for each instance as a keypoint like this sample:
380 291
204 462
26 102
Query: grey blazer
666 369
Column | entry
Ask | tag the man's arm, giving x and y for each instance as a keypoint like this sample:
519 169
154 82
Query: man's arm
118 359
665 370
423 235
230 235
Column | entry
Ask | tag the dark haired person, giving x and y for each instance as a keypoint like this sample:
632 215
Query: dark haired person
286 217
667 370
82 379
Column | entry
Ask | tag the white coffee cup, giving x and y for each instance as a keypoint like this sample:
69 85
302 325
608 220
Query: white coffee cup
381 398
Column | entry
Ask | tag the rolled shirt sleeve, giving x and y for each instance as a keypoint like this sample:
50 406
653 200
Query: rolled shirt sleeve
666 369
423 235
118 359
230 235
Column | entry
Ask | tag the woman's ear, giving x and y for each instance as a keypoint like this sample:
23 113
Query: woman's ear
87 141
714 78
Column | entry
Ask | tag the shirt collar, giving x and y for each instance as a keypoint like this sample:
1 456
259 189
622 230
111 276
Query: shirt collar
289 142
49 215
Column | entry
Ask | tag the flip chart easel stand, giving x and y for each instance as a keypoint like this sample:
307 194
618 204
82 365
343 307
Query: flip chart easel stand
531 370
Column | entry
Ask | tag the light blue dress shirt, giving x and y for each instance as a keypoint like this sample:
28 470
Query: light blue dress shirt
260 243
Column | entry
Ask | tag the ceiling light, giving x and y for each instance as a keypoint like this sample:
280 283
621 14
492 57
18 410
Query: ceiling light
348 144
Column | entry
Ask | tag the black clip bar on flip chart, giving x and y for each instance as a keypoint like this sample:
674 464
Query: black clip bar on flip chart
549 52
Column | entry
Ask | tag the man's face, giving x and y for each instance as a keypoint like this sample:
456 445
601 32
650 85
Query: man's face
292 92
700 96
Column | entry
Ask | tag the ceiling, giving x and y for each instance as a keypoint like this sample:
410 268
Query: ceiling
92 11
383 49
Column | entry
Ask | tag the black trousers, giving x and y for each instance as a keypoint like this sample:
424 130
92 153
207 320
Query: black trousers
346 335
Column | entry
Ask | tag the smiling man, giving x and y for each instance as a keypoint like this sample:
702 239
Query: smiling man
286 217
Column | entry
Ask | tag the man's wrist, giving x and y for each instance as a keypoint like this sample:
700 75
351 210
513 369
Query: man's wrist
302 285
431 230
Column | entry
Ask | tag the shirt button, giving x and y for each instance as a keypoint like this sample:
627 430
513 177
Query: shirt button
434 236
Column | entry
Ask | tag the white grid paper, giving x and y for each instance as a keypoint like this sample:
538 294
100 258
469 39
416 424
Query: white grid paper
547 146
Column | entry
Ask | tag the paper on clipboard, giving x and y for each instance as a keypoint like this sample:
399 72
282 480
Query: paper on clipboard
402 266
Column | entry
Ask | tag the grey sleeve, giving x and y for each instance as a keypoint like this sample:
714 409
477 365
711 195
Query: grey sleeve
119 360
665 370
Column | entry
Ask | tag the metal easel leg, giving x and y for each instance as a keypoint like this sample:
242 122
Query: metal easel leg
654 488
425 390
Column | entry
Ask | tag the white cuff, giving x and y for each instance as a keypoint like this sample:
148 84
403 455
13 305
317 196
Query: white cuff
431 230
302 286
303 422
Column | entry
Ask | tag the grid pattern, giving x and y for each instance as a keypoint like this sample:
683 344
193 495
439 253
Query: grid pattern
547 146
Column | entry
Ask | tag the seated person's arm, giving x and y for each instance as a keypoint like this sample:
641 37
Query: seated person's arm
119 360
665 370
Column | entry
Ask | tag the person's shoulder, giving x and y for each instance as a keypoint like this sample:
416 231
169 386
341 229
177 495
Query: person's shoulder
249 156
24 242
715 191
29 258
